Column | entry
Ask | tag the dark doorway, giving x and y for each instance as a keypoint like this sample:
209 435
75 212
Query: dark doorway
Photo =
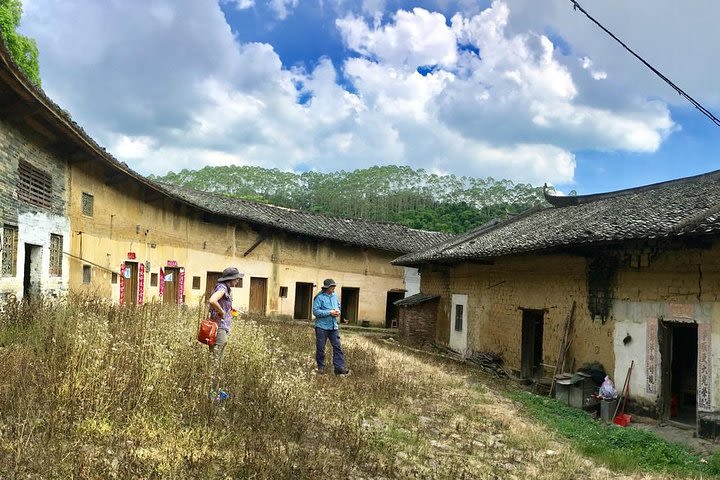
349 301
258 295
679 356
130 277
172 283
31 275
303 301
532 344
392 312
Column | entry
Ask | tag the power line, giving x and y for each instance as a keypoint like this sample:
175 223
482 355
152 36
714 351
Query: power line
680 91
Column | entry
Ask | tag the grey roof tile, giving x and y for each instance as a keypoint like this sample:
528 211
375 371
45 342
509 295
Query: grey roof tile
414 300
365 233
688 206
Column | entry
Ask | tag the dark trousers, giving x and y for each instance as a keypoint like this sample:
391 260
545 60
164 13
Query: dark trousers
321 337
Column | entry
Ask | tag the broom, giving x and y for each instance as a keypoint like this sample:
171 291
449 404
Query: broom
620 419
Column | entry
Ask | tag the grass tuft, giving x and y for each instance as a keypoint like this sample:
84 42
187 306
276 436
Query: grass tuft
621 449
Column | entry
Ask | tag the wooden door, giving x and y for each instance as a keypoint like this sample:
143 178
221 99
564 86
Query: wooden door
131 283
210 283
172 282
258 295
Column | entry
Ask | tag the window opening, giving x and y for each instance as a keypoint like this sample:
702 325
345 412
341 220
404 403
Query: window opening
87 274
9 251
34 186
88 204
56 246
459 318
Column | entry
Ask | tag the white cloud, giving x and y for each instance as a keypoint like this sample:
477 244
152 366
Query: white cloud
677 38
245 4
282 8
512 106
169 87
596 74
414 38
133 147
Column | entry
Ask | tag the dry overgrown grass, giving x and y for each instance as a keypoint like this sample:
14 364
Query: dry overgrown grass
92 390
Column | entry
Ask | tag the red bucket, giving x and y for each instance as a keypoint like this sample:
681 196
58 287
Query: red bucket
622 420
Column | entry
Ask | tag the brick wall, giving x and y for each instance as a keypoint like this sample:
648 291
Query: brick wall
416 325
648 282
35 224
20 144
497 294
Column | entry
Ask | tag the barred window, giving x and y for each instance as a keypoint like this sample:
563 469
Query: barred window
153 279
283 292
56 246
88 204
87 274
114 278
9 251
459 318
196 283
34 186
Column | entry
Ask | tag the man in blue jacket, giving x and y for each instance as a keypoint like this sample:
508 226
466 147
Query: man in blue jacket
326 308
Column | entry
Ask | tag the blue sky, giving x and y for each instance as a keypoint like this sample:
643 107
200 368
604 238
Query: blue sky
518 89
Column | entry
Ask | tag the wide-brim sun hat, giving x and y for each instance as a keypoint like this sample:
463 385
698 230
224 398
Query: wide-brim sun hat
230 273
328 282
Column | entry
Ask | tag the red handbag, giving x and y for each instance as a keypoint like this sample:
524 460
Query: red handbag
207 332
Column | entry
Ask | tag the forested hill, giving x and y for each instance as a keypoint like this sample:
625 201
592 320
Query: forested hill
399 194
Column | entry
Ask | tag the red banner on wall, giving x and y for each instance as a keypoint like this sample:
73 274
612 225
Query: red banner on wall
141 283
161 282
122 283
181 286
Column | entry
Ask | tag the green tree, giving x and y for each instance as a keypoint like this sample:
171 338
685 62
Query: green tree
395 193
23 49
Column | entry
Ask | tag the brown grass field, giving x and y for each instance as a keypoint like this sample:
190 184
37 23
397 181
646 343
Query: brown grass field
91 390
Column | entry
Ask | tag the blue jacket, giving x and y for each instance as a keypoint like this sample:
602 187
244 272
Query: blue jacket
322 304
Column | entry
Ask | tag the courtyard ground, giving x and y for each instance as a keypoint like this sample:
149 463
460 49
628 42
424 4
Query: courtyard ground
99 391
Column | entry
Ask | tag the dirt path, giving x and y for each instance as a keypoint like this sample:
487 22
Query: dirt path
464 428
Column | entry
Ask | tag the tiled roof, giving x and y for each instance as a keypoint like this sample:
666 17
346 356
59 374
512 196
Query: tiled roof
384 236
688 206
381 235
416 299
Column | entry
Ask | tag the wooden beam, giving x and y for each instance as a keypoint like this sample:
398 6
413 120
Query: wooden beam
79 157
153 195
12 82
10 107
260 239
41 129
112 177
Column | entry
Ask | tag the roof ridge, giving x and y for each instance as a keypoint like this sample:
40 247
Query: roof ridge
468 236
568 200
694 220
488 226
